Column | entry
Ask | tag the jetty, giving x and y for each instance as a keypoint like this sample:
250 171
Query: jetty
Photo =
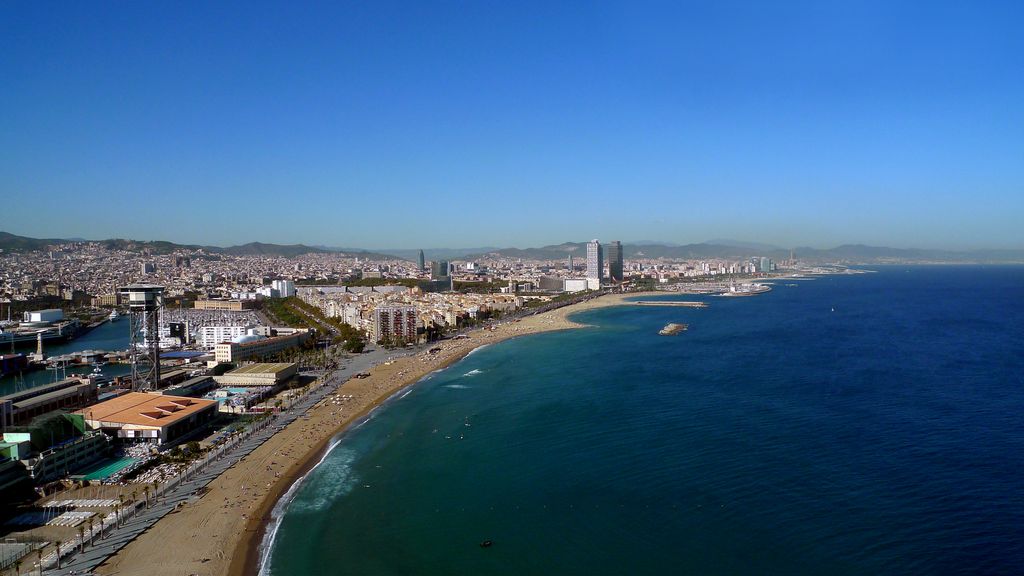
684 304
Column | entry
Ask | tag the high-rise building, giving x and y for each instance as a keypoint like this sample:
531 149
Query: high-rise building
568 264
615 261
595 260
285 288
439 270
423 263
395 322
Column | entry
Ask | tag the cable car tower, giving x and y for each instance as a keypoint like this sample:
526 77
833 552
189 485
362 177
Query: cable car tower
144 303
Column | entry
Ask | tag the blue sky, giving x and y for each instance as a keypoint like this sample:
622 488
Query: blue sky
385 124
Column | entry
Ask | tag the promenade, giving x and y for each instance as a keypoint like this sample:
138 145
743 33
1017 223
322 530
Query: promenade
187 487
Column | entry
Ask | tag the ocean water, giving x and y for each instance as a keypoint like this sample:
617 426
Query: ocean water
776 436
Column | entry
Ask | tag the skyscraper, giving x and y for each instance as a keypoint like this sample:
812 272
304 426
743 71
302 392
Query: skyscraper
615 261
423 263
568 265
595 260
439 270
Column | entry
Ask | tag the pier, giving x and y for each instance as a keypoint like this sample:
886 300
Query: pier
684 304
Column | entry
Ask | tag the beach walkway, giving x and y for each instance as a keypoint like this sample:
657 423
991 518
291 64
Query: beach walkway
200 474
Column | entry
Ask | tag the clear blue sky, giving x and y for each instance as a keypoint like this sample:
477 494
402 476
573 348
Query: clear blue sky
380 124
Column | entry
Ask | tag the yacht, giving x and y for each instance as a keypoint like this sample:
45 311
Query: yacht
114 316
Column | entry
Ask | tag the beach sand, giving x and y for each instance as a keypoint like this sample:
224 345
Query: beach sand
221 532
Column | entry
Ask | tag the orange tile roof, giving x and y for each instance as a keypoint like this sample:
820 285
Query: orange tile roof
141 409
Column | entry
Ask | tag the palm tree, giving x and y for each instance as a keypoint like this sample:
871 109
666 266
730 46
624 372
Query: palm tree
81 538
17 567
89 522
39 559
57 544
146 491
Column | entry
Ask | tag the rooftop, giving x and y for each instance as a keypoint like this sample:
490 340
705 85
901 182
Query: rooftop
144 409
261 368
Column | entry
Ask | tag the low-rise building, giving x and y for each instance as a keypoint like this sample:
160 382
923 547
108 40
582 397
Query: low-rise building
20 407
227 305
210 336
256 347
259 374
154 418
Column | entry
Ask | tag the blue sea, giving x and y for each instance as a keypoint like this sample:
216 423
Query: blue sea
109 336
857 424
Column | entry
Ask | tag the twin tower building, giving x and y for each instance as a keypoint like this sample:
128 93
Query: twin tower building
595 263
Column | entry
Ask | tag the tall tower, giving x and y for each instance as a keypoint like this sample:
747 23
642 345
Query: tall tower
144 303
595 260
615 261
440 270
423 262
568 264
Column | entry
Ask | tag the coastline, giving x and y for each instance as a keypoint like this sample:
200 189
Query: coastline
221 533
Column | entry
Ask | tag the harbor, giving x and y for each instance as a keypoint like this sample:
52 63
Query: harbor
106 342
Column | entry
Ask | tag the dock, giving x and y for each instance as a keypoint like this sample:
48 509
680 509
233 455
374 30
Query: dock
684 304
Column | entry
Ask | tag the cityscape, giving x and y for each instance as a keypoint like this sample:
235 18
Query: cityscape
235 338
501 289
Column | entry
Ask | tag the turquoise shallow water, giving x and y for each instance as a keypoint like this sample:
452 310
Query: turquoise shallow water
774 437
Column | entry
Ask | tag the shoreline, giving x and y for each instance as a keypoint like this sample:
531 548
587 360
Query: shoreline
223 531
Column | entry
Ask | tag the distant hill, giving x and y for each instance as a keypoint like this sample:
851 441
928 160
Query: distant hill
153 247
724 249
856 253
847 253
579 250
262 249
13 243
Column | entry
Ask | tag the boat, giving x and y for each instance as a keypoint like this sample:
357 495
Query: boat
98 377
114 316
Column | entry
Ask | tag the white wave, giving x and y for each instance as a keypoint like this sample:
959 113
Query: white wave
330 483
457 386
473 372
278 511
477 349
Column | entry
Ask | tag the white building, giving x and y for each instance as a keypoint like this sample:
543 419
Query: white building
575 284
210 336
286 288
49 315
595 261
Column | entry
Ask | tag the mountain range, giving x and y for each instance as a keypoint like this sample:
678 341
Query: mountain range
724 249
13 243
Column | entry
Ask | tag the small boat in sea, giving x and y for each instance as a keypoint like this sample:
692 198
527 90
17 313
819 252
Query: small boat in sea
114 316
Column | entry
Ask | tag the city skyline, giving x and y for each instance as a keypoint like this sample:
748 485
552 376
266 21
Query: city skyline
803 125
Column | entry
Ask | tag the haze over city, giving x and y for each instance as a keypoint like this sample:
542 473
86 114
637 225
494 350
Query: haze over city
486 124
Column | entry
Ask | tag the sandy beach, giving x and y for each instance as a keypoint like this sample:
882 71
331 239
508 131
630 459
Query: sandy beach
221 532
